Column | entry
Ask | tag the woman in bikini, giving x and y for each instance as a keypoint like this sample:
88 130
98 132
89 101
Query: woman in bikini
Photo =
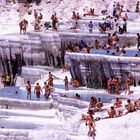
90 123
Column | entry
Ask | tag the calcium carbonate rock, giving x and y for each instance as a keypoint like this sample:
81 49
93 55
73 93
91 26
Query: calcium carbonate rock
92 70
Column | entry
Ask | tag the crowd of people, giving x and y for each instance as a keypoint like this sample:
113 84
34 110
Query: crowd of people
116 21
48 88
118 109
114 86
111 46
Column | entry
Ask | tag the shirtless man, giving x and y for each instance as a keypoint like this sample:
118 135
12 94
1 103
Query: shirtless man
118 103
130 107
37 90
48 90
28 88
50 79
66 83
112 112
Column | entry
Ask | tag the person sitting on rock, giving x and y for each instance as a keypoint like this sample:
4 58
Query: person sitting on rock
8 80
99 104
92 104
104 12
75 84
129 107
65 68
137 104
112 112
75 25
90 13
118 106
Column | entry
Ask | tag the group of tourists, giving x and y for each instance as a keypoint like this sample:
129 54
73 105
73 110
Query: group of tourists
111 46
114 86
118 109
37 18
110 22
48 87
74 83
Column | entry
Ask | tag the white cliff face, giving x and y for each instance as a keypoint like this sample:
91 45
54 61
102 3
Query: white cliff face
88 67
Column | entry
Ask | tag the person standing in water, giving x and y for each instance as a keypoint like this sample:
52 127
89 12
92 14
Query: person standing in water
28 88
48 90
37 90
50 79
66 83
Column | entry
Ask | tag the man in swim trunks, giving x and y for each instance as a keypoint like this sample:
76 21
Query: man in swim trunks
129 106
37 90
28 88
112 112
